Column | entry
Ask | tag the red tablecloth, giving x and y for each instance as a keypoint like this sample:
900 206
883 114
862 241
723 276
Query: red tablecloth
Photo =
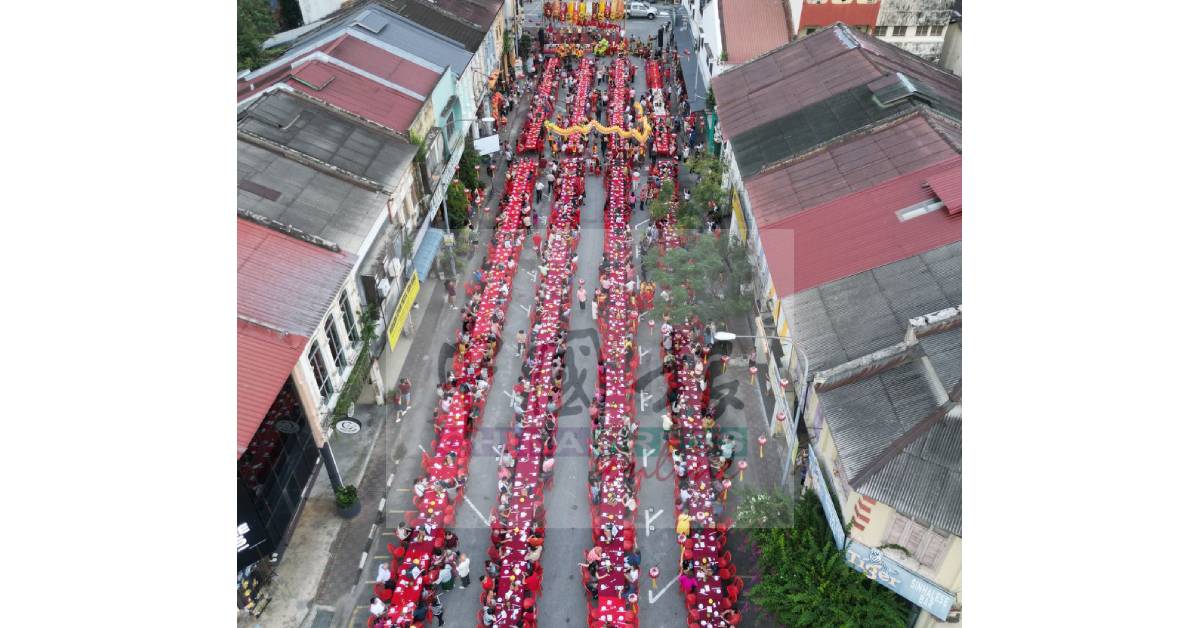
553 301
618 363
579 108
435 510
703 542
540 107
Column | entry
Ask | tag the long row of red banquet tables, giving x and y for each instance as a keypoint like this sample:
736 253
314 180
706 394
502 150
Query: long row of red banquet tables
525 497
540 107
433 509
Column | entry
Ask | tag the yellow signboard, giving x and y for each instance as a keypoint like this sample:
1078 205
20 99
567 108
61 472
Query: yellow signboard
737 214
407 298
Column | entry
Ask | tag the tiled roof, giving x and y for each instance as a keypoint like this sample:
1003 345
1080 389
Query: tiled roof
284 282
813 68
859 231
854 163
752 27
843 319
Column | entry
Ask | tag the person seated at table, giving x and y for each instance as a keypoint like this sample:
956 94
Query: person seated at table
377 607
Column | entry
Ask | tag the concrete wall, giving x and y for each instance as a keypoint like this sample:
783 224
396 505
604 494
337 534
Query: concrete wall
951 55
313 10
911 14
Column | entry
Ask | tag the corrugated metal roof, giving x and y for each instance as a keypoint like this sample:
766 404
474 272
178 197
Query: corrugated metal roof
948 187
355 93
313 200
383 64
858 232
444 24
751 27
924 481
813 68
265 359
828 13
865 312
286 283
329 136
852 164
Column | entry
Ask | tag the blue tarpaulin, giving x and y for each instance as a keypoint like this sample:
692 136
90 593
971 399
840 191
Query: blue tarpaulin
430 244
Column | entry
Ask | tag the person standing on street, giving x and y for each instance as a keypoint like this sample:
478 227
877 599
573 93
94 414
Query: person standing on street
581 294
405 401
450 294
438 609
538 188
464 570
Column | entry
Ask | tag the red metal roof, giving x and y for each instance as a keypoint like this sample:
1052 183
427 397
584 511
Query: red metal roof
383 64
346 90
265 359
825 14
287 285
284 282
751 27
948 187
813 68
852 165
860 231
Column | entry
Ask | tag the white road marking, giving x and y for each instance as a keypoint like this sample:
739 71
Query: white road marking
422 448
654 598
481 517
526 308
642 353
644 397
650 519
646 453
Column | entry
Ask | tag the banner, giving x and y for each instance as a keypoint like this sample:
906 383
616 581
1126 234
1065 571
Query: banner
831 513
407 298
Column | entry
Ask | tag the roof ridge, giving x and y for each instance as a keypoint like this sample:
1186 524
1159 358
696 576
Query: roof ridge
308 160
905 53
909 437
288 230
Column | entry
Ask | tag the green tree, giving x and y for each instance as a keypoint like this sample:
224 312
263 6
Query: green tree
708 192
805 578
456 205
661 204
467 165
255 23
714 270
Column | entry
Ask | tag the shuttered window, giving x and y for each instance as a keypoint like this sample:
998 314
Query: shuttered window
925 546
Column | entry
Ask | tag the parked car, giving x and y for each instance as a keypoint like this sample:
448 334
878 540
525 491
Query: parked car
641 9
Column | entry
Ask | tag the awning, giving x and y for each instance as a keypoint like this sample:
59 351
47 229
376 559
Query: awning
427 251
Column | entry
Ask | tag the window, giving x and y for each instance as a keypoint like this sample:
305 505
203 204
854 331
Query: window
317 363
924 546
936 31
899 31
923 30
810 30
881 31
336 349
348 315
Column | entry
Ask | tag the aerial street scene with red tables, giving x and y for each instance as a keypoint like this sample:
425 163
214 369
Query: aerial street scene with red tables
611 326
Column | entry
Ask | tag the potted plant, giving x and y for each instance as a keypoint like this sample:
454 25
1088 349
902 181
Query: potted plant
348 504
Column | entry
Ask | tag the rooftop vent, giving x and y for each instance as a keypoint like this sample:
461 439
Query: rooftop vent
371 21
897 88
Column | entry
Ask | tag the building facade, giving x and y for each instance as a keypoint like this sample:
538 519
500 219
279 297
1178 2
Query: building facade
918 26
295 355
885 457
